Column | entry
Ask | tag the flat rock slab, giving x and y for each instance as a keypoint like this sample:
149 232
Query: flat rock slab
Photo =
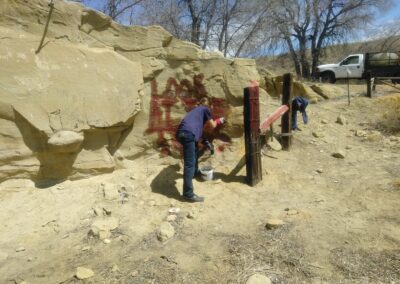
273 223
258 279
165 232
84 273
338 155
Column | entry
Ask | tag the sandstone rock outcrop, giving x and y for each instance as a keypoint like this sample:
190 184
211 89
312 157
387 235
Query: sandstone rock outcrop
328 91
273 85
97 91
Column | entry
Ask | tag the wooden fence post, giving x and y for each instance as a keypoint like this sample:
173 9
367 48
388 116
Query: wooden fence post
251 115
286 121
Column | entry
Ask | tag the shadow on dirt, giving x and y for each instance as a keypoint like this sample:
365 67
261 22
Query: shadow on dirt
165 182
229 178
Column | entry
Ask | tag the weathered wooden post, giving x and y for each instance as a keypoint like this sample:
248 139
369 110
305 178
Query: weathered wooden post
369 85
287 117
251 115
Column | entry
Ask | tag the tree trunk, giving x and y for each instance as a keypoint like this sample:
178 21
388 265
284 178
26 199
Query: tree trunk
315 58
305 66
294 56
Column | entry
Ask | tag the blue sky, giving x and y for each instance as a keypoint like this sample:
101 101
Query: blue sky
392 14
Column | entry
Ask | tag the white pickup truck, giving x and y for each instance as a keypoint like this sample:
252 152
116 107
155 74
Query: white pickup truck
357 66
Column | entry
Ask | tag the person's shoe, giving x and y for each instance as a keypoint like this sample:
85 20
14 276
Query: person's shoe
194 198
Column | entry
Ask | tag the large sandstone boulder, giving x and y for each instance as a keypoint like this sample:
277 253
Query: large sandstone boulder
303 90
328 91
96 92
273 85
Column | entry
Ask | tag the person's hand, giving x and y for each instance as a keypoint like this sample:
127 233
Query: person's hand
220 121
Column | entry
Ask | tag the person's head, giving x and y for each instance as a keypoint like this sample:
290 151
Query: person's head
204 101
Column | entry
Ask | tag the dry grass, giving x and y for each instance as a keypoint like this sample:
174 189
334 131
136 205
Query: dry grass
362 266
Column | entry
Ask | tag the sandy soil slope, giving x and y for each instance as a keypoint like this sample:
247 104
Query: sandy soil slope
341 215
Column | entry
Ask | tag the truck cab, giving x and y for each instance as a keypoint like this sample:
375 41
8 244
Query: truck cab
350 67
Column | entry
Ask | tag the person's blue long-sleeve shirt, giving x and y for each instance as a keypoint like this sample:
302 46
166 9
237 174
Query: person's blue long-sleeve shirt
299 104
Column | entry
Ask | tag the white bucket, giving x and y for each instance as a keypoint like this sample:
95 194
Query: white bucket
207 173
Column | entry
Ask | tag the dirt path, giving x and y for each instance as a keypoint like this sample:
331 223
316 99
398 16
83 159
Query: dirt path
341 215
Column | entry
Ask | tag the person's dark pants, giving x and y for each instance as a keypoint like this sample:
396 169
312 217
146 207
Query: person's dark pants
294 119
190 163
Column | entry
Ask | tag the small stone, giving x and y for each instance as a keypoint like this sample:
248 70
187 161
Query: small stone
274 144
101 227
19 249
192 215
361 133
152 203
134 273
273 223
318 134
324 121
258 279
85 248
60 187
65 236
320 171
348 147
106 241
30 259
115 268
292 212
84 273
165 232
339 155
171 218
217 181
106 212
341 120
174 210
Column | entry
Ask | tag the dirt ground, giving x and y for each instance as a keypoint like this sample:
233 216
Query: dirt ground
341 215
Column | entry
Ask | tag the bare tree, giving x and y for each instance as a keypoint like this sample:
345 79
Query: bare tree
312 24
201 14
118 10
240 26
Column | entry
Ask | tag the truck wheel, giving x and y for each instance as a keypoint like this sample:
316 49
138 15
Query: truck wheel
328 77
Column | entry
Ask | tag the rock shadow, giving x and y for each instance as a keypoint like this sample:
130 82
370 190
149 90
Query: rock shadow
165 182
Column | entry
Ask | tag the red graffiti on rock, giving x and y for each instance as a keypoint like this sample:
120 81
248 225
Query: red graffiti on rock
183 94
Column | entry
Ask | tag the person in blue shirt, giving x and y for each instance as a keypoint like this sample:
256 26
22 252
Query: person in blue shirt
189 133
299 104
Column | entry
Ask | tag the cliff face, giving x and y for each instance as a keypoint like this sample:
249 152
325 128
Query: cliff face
96 93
